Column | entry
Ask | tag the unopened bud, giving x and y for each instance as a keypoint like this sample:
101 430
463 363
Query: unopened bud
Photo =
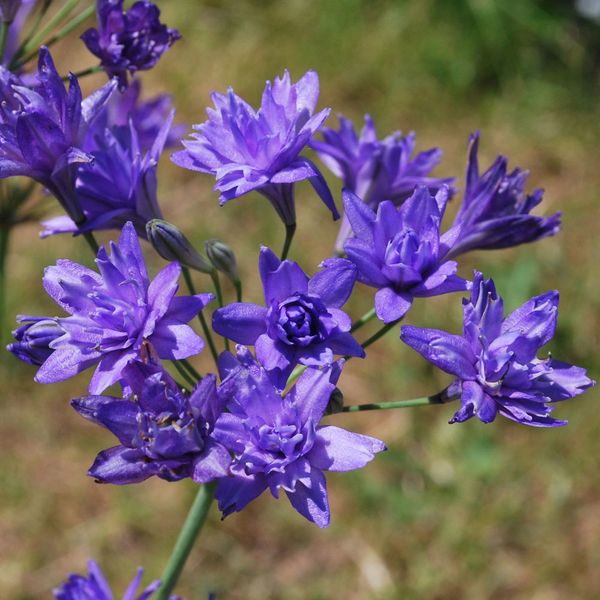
171 244
222 258
33 338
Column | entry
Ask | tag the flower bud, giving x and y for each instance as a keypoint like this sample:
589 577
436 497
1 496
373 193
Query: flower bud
34 337
172 245
222 258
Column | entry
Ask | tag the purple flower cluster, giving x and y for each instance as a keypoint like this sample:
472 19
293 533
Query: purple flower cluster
241 431
495 363
126 42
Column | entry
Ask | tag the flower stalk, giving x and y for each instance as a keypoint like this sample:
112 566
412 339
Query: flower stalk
185 542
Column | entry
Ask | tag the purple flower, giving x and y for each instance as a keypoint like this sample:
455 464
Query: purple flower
118 315
397 251
42 128
302 321
33 338
148 116
495 360
161 432
119 186
495 210
250 150
277 442
95 586
128 41
376 170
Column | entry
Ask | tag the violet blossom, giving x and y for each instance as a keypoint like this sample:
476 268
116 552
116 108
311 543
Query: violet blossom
161 430
95 587
277 442
42 128
495 363
128 41
494 212
397 251
33 338
301 322
376 170
118 315
250 150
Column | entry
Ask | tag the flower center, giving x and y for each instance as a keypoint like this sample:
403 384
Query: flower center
297 321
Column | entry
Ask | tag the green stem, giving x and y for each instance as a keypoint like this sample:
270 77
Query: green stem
185 542
439 398
290 230
214 275
92 243
73 24
203 323
3 37
85 72
183 373
186 364
380 333
29 36
368 316
217 283
238 290
36 40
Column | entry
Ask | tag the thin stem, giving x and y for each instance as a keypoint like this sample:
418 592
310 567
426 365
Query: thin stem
186 364
214 275
183 373
85 72
185 542
217 283
290 230
435 399
368 316
238 290
380 333
203 323
3 37
92 243
60 16
36 24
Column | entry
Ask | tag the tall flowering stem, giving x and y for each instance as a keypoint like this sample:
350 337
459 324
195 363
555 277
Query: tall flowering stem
185 542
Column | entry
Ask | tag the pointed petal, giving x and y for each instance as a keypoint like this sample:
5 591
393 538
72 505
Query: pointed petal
336 449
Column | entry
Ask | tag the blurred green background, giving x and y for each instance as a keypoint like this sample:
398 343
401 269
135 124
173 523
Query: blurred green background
465 511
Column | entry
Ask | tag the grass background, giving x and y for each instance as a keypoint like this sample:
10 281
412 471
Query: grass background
469 511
